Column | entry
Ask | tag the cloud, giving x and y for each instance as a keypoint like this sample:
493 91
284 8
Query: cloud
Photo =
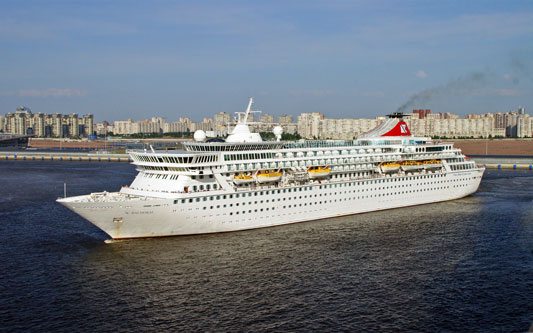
496 26
375 94
82 26
507 92
226 20
507 76
313 92
50 92
421 74
11 29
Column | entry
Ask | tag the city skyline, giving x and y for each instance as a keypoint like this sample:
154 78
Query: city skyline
423 122
343 59
198 118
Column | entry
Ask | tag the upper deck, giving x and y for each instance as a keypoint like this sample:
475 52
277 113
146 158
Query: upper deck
231 146
201 147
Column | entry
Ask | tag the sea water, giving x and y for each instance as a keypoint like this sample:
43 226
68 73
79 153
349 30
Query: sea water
463 265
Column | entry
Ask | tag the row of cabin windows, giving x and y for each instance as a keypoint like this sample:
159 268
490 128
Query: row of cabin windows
249 211
172 159
202 177
432 149
152 175
331 161
163 168
249 156
455 160
175 177
160 176
240 147
346 192
167 159
309 188
204 187
215 186
256 156
285 164
344 175
323 194
206 159
333 200
466 166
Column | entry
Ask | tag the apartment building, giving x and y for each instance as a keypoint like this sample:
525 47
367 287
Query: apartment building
23 121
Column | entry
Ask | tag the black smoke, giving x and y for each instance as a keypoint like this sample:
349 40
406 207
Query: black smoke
469 84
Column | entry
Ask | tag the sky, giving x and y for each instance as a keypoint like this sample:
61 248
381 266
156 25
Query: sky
345 59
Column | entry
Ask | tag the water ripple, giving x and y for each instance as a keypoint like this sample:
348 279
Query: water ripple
463 265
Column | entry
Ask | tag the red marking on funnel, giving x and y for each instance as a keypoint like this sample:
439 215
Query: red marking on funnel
400 129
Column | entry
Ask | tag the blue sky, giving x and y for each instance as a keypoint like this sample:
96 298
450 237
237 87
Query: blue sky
138 59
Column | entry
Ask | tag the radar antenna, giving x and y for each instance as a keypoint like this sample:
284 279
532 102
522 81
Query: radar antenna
242 117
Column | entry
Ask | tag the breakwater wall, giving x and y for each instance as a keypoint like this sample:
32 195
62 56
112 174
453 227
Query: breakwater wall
504 161
64 157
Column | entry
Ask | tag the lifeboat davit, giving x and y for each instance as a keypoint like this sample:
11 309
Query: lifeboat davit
432 164
267 176
243 178
411 165
390 167
318 172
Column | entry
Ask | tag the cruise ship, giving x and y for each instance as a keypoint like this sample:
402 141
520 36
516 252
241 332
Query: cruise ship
244 182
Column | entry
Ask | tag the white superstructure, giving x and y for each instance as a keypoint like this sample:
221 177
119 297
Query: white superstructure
247 183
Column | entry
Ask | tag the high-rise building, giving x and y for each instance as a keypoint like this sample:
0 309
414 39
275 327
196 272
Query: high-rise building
23 121
221 121
73 125
285 119
88 120
266 118
309 124
422 113
39 125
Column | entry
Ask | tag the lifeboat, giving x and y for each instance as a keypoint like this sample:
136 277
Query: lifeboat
432 164
318 172
411 165
243 178
267 176
390 167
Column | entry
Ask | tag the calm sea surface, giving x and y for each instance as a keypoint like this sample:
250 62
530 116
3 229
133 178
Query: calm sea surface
465 265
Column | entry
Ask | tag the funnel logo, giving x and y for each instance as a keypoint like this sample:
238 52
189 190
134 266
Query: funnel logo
400 129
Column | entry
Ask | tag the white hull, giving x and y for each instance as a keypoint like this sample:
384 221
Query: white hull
167 217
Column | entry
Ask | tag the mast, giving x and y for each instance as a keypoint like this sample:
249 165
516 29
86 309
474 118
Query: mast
248 109
242 117
241 131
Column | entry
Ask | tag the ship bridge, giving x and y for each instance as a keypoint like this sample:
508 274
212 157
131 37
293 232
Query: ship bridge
231 146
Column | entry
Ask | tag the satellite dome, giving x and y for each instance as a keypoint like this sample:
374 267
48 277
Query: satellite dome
278 131
199 136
